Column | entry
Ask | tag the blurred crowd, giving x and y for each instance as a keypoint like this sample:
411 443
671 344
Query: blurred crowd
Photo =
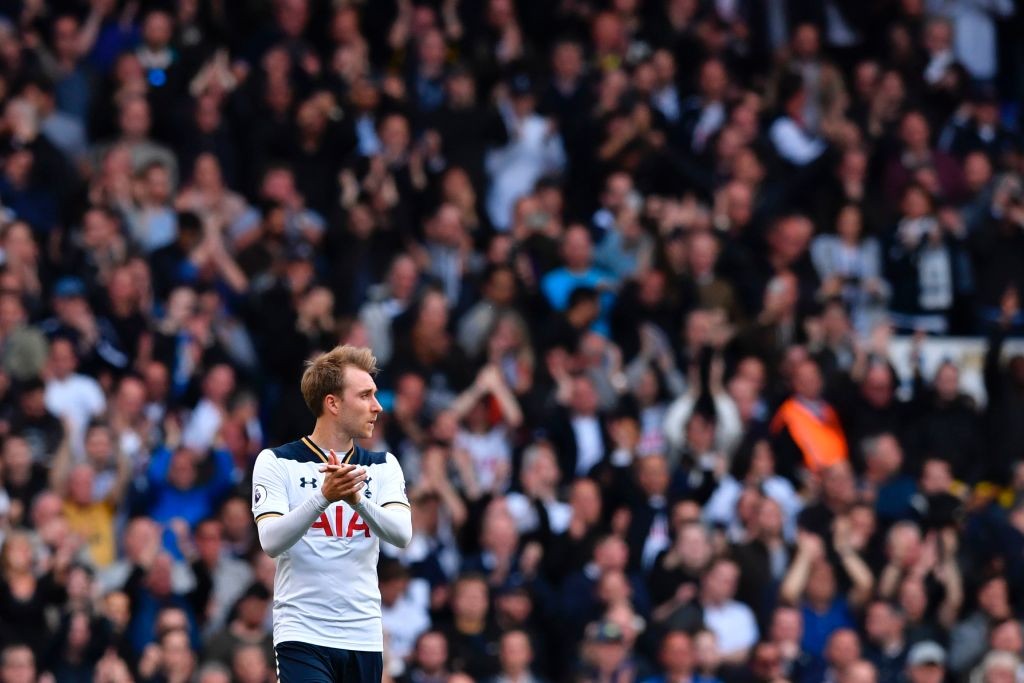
632 270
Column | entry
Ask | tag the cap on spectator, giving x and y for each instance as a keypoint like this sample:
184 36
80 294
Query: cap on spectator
927 652
68 288
256 590
520 85
28 385
513 586
300 252
604 632
984 94
391 570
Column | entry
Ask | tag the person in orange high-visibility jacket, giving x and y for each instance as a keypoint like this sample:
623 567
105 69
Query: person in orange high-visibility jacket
806 429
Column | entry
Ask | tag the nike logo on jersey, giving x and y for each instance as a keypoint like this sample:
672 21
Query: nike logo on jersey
303 480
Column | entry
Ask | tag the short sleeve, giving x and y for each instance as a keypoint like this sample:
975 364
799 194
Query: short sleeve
269 495
393 490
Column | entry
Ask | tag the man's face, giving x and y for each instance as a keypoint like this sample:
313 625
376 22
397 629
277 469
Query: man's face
947 382
235 518
65 38
584 397
821 586
877 387
157 30
1007 637
99 446
17 454
177 652
157 381
80 485
879 623
993 598
252 611
786 626
739 203
577 249
926 673
515 606
182 473
250 664
769 517
838 484
461 88
501 288
470 600
713 79
158 185
653 475
394 133
585 500
117 608
432 652
62 359
766 662
791 238
677 653
219 383
807 380
18 666
608 656
567 61
208 539
358 408
135 119
843 648
131 397
515 651
391 591
720 582
402 278
914 131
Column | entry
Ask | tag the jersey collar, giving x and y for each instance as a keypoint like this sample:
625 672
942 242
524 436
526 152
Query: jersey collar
323 454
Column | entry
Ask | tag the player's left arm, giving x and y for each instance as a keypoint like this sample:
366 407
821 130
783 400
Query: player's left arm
391 518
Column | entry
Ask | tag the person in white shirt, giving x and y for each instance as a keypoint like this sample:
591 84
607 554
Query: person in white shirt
789 134
515 655
938 43
388 301
70 396
975 41
322 516
539 478
534 149
404 608
731 621
204 423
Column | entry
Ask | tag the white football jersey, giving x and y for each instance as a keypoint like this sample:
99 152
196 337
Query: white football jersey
326 591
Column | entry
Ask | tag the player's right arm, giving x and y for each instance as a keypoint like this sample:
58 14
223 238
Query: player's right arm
280 528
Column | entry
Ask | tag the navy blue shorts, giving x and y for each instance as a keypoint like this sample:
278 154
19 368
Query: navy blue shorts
305 663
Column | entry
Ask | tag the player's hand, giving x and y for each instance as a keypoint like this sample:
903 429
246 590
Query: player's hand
343 482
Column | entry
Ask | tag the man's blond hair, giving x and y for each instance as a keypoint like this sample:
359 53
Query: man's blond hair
326 373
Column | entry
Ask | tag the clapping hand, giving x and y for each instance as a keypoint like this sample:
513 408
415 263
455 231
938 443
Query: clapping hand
810 545
343 481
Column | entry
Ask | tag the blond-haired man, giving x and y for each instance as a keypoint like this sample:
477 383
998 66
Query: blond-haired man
322 505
